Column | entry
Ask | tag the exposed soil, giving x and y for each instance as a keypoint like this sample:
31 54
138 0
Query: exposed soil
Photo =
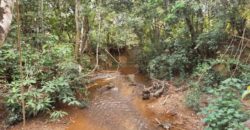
116 104
171 109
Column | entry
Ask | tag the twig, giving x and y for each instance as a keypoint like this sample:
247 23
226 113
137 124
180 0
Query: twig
248 58
242 37
165 126
228 48
112 56
165 100
157 121
240 51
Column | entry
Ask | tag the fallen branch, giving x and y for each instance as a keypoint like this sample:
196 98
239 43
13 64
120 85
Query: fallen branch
112 56
241 37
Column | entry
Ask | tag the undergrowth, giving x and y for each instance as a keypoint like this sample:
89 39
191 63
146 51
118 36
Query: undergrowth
50 77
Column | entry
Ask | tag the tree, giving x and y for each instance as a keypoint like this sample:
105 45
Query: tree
5 18
20 60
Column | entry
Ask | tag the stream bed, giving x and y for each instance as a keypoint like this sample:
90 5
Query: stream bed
115 103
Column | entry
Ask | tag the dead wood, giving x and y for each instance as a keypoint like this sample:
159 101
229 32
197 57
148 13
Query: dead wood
164 125
157 88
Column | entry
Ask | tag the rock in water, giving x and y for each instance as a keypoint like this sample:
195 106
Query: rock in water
145 95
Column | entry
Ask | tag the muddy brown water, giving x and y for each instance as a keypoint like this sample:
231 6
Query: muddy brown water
118 107
116 104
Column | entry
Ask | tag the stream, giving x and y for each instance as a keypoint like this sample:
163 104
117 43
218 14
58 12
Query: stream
115 102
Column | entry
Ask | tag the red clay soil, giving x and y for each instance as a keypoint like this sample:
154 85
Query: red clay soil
167 109
172 109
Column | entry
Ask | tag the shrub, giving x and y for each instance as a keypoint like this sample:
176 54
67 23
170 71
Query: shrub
211 72
56 115
224 114
193 96
225 111
165 66
50 76
39 99
208 42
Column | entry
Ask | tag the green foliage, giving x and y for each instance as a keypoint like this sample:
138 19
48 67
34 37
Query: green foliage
209 42
57 115
60 89
177 60
225 111
192 99
166 66
213 71
50 76
13 118
8 58
244 73
224 114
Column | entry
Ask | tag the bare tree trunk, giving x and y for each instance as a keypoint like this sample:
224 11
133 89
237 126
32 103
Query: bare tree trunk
85 32
190 28
5 18
77 42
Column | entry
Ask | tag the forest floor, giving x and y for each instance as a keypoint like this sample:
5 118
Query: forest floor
115 103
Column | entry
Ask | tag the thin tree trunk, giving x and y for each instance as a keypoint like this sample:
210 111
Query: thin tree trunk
85 33
190 28
77 39
20 60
